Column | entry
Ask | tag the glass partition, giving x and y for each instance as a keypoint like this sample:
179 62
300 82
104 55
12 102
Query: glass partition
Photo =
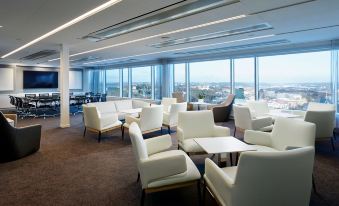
113 82
244 79
141 82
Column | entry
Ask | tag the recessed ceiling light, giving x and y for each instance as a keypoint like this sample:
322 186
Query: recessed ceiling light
172 50
66 25
159 35
0 26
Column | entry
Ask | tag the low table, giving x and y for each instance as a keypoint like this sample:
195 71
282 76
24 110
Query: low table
282 114
131 111
219 145
199 103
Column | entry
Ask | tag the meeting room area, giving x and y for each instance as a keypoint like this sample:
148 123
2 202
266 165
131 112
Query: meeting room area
202 102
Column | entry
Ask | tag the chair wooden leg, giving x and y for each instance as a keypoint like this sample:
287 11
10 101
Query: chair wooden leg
99 137
332 142
142 200
138 177
231 159
84 132
199 192
122 132
169 129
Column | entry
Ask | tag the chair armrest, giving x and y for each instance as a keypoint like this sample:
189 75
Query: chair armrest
301 113
13 117
129 119
158 144
180 135
261 122
220 131
155 169
216 176
258 138
27 139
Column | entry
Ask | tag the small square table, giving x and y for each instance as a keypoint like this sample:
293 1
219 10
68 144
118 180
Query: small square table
282 114
219 145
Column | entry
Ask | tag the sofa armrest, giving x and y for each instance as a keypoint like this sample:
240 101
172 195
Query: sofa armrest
220 131
129 119
157 168
158 144
261 122
27 139
258 138
180 135
219 179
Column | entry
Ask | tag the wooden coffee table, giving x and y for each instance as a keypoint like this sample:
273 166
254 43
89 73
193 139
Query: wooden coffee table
220 145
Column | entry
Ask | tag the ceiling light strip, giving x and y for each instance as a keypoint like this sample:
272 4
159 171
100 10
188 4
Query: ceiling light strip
192 47
66 25
158 35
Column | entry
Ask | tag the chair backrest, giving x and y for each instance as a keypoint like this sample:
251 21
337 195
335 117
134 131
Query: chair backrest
55 95
260 108
314 106
180 96
174 111
274 178
229 100
292 132
44 95
167 102
91 117
324 121
30 95
138 144
242 117
151 117
196 124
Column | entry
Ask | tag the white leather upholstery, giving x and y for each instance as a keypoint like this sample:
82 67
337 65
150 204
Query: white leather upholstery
159 169
258 108
100 122
150 118
286 132
324 121
244 120
171 118
195 124
167 102
264 179
314 106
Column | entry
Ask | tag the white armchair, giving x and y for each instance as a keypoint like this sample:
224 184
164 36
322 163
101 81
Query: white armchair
150 119
263 179
196 124
160 169
258 108
243 120
286 133
167 102
170 118
325 124
96 122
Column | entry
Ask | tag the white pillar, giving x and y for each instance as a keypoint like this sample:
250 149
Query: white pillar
64 87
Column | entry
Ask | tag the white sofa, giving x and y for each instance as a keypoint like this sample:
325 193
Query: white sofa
112 107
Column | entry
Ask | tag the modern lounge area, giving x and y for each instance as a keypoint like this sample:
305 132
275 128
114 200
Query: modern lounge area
202 102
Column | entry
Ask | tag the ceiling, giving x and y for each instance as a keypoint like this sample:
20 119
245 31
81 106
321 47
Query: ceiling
291 22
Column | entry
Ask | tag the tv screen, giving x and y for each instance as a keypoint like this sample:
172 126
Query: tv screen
38 79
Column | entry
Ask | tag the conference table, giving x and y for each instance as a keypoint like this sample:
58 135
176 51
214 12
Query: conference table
223 145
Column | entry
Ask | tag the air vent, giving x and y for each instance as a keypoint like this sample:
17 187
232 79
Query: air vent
232 48
160 16
116 63
39 55
85 59
214 35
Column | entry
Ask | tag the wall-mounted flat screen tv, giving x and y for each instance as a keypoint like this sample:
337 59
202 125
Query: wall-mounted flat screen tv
39 79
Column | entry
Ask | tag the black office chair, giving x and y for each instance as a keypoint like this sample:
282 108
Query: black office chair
30 95
16 143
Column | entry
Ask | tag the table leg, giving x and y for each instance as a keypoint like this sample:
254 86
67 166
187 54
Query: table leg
231 159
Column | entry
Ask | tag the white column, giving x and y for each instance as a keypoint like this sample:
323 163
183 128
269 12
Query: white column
64 87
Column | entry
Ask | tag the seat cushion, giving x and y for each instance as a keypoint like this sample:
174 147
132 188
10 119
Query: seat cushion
191 174
123 105
189 145
261 148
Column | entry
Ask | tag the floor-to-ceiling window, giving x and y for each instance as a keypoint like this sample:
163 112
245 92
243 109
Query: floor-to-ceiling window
125 86
179 78
157 82
113 82
141 82
244 79
291 81
210 80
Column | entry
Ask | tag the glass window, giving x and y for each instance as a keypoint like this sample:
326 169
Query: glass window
244 79
113 82
211 79
125 87
157 83
141 82
179 78
291 81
